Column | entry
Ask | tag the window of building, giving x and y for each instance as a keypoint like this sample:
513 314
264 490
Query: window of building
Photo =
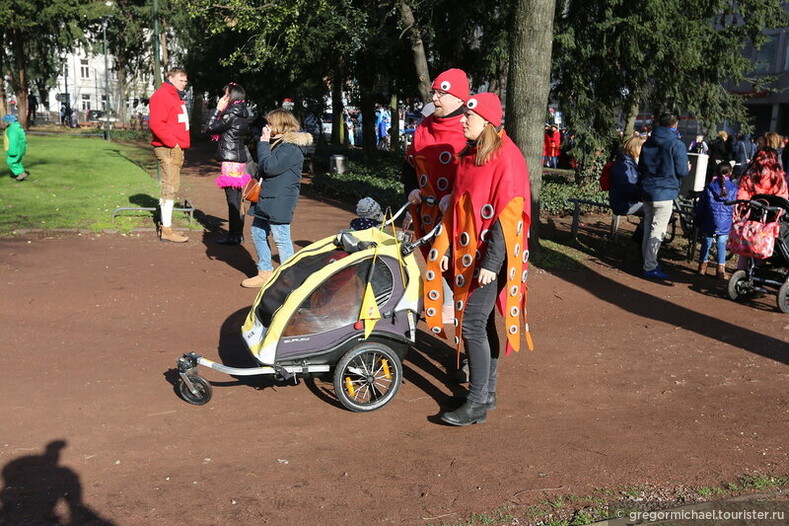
764 57
84 69
104 103
786 55
86 102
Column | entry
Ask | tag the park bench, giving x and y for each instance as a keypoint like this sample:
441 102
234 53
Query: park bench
188 208
309 155
615 219
683 213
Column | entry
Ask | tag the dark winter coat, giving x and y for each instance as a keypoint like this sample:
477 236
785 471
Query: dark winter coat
713 215
280 177
719 152
662 165
743 152
624 191
232 127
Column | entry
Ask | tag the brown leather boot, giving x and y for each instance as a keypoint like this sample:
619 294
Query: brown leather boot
168 234
703 267
721 273
255 282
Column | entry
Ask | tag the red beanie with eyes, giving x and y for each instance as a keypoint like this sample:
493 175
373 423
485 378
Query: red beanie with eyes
487 106
453 81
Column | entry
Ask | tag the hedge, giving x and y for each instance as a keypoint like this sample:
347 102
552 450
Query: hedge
380 179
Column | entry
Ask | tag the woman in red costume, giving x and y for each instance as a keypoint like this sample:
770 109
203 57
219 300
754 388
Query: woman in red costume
483 240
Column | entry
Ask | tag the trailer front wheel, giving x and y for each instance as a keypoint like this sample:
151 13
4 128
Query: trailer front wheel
367 377
783 298
202 387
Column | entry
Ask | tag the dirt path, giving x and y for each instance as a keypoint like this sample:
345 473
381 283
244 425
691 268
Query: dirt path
632 382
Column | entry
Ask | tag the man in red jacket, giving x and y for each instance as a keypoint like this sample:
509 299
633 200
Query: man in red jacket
170 128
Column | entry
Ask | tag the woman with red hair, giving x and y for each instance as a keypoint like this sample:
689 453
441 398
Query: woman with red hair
763 176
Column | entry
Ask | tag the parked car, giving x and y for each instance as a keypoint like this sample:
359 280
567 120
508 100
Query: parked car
326 125
98 116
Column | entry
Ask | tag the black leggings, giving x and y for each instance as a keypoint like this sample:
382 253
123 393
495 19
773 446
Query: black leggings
235 217
481 342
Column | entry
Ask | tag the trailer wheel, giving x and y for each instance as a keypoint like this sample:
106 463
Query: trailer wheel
783 298
367 377
203 388
739 286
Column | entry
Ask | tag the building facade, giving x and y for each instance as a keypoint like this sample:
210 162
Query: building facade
84 84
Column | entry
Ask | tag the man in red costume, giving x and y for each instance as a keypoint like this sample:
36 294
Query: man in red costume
431 161
170 128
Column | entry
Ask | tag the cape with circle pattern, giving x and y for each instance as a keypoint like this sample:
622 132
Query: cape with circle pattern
433 154
498 190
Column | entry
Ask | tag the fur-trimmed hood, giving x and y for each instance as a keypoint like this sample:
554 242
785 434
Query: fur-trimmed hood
298 138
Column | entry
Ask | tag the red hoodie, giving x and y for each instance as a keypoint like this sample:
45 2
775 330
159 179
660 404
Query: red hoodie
169 118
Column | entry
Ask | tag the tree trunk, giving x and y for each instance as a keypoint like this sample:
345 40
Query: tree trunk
121 97
418 50
19 77
394 133
165 53
197 109
43 93
630 119
368 121
337 123
528 86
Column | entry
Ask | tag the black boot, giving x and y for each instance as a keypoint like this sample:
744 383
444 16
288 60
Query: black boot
469 413
491 402
230 240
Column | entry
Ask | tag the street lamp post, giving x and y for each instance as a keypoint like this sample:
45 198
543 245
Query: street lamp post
157 67
106 80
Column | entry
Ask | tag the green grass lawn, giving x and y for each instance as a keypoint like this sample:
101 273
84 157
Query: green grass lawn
77 182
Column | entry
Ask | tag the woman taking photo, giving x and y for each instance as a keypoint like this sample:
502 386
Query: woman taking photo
281 158
482 245
228 125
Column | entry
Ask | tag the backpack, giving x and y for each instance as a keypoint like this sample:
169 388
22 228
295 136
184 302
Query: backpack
605 176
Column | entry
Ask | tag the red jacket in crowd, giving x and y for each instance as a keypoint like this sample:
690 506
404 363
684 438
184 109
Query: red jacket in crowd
169 118
551 143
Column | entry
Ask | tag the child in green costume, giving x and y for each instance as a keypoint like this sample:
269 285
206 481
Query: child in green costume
15 143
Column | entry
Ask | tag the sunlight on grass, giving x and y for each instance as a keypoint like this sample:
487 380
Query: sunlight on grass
77 182
606 503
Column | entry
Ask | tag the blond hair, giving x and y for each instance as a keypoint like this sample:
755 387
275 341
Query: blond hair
282 121
488 143
632 146
723 135
772 140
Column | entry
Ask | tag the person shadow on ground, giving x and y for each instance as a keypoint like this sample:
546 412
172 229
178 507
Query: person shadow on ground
36 490
236 256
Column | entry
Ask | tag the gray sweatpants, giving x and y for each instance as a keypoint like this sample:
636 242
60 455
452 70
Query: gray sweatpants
656 217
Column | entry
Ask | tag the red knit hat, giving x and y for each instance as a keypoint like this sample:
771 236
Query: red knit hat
487 106
453 81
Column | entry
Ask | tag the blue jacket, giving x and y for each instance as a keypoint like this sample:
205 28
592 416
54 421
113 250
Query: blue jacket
624 191
280 177
714 216
662 165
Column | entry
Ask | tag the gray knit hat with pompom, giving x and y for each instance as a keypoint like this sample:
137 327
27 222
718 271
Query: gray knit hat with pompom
368 208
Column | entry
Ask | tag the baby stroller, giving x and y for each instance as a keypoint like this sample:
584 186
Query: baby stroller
348 303
772 271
